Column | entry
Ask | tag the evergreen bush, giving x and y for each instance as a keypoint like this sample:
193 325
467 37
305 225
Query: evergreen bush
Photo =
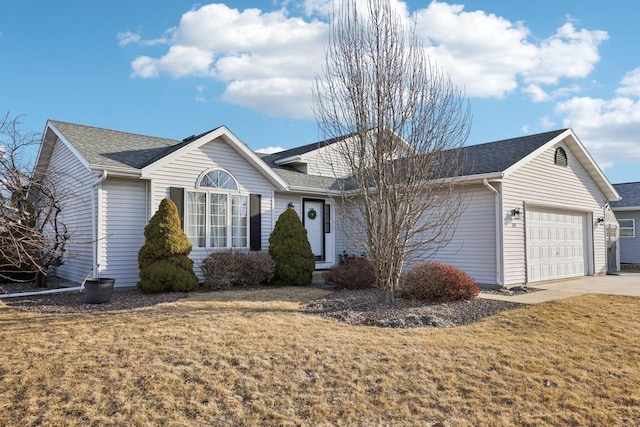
290 249
163 259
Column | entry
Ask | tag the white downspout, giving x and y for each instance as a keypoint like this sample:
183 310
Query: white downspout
94 225
498 240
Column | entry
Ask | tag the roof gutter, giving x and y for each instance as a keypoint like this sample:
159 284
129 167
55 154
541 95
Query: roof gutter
491 188
287 160
117 172
94 214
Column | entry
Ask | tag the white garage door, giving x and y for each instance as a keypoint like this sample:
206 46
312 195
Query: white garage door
556 244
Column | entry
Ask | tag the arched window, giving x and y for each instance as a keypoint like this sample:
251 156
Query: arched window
218 179
217 213
560 157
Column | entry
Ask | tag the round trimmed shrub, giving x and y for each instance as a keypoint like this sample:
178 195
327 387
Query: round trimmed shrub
353 273
290 249
434 281
163 259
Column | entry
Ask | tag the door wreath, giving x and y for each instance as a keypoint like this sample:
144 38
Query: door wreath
312 214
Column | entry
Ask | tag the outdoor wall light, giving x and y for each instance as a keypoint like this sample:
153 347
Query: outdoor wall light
290 205
600 220
515 213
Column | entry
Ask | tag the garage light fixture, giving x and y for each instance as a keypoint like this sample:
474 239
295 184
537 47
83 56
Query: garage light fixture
515 213
600 220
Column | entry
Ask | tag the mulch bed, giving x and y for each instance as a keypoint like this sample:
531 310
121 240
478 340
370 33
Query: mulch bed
361 307
354 307
74 301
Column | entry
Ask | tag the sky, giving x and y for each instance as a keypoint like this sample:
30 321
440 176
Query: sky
177 68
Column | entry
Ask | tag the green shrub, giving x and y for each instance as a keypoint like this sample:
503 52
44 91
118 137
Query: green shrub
437 282
163 261
228 269
353 273
290 249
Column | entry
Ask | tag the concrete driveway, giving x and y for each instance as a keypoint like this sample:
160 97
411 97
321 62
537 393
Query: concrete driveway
624 284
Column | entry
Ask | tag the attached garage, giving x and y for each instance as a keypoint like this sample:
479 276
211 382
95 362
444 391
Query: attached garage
556 242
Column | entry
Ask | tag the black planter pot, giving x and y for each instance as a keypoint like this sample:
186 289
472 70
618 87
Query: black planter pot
98 291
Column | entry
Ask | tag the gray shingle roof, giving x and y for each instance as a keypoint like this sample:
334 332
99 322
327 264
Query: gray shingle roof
110 148
498 156
296 178
491 157
630 194
306 148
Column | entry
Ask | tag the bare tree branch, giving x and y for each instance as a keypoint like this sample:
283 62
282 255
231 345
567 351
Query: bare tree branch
32 236
407 122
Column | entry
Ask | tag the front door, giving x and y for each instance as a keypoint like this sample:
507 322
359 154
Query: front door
313 219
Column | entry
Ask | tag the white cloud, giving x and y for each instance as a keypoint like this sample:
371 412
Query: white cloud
126 37
267 60
536 93
630 84
276 96
269 150
546 123
525 129
608 127
490 55
568 53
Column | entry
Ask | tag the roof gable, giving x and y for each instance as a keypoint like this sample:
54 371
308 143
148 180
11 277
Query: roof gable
138 155
113 150
229 138
570 139
630 195
498 156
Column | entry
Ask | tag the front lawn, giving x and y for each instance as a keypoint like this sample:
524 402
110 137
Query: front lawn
252 358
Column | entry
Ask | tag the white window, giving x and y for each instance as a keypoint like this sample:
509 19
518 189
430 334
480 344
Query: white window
217 213
627 227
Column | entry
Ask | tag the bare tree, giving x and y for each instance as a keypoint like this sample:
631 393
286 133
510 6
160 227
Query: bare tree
32 236
406 122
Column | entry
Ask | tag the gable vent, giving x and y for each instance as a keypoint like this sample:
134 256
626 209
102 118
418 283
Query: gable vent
560 158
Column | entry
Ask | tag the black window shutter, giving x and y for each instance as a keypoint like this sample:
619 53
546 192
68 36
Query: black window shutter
176 195
327 219
255 238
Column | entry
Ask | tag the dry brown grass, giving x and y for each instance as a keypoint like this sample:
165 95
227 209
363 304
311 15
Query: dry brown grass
252 358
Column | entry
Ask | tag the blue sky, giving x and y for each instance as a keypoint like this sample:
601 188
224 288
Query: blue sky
176 68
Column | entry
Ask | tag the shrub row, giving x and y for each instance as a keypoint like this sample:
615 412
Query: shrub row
431 281
231 269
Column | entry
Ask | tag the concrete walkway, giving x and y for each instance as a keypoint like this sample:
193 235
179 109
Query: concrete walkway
624 284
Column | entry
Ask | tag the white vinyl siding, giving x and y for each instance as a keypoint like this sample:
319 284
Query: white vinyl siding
629 246
541 183
472 248
327 162
122 218
184 172
76 186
